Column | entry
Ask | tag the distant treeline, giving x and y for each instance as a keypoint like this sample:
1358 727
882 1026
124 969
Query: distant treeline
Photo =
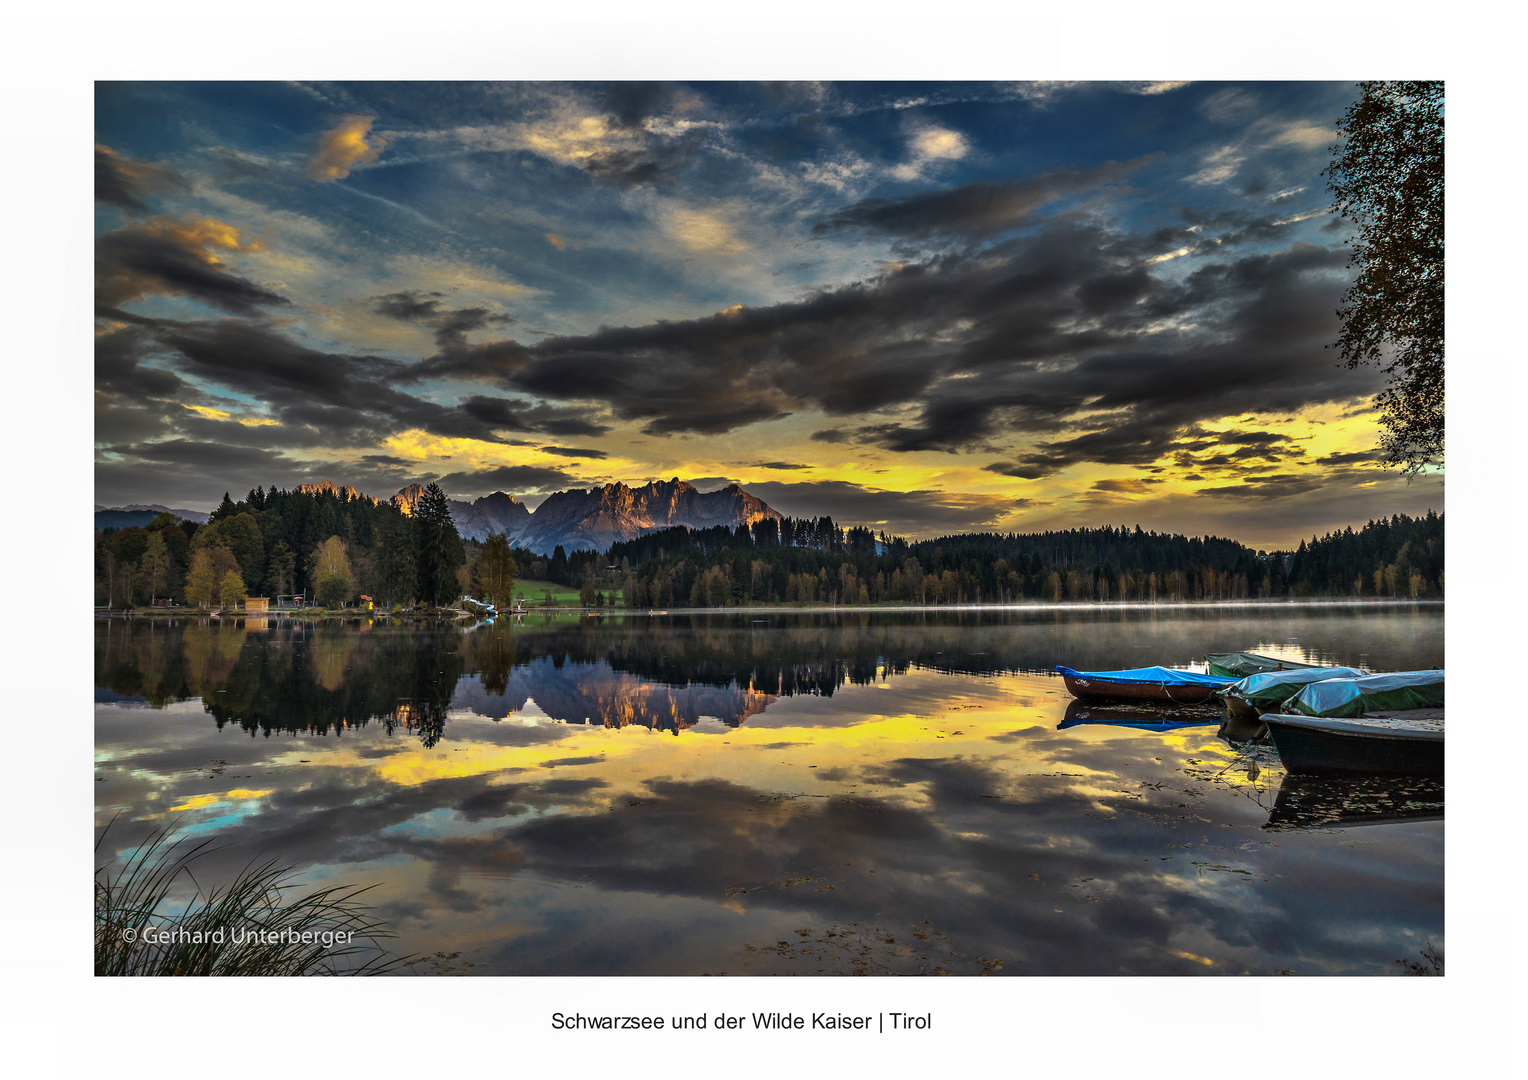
814 561
335 547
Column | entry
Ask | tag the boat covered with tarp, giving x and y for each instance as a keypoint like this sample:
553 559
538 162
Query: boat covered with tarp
1390 691
1154 685
1368 744
1267 692
1238 665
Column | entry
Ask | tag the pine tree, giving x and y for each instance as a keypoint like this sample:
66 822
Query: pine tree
439 547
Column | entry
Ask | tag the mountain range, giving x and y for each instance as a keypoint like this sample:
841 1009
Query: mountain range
598 517
139 514
578 519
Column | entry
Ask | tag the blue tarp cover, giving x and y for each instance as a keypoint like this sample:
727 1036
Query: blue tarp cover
1389 691
1273 688
1156 676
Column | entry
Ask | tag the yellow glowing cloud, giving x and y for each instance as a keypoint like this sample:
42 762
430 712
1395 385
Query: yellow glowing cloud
220 414
343 148
199 233
570 141
931 144
939 143
466 455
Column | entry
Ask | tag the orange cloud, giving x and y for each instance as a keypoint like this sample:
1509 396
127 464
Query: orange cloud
343 148
200 233
555 241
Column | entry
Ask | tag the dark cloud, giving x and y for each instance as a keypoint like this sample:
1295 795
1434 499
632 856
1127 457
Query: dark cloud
1055 338
516 478
784 465
1129 485
514 415
164 257
119 369
451 325
1013 468
204 454
630 103
409 306
125 184
1354 458
903 513
319 400
1269 487
978 210
573 452
1057 333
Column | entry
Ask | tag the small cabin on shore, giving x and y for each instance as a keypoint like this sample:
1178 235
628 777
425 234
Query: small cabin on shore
257 605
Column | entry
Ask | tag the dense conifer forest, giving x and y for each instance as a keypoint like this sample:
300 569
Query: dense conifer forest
334 547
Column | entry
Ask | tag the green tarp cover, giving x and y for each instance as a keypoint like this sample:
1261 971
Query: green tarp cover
1394 690
1272 688
1238 665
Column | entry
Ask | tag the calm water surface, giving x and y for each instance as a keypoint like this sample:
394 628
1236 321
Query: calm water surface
779 794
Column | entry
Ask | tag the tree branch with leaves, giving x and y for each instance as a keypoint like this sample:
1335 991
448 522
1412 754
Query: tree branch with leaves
1387 179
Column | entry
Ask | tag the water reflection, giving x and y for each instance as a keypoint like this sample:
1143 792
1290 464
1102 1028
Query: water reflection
521 796
1082 712
1311 802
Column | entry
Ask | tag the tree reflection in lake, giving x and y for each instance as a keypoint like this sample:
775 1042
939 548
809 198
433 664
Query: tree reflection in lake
511 788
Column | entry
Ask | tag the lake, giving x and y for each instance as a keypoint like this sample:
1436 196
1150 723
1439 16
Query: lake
792 793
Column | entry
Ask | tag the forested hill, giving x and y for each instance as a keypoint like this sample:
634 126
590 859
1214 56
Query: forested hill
275 542
813 560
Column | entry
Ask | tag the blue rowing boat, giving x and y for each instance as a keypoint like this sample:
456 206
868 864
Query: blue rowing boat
1150 685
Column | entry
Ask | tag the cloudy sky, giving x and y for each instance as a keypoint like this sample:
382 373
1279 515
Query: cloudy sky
926 307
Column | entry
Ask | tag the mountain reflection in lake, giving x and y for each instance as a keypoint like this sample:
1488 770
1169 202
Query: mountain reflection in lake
785 794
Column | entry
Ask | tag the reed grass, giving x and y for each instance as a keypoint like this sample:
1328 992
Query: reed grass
138 899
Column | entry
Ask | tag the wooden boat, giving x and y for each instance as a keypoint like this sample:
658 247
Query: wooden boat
1369 744
1150 686
1238 665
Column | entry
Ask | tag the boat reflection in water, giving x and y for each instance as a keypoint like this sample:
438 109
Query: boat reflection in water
1317 802
1082 712
1238 728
